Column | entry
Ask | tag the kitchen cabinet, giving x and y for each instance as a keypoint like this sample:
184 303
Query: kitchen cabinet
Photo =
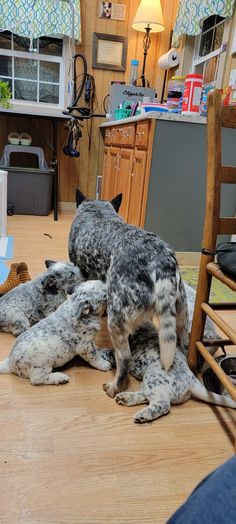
158 162
125 167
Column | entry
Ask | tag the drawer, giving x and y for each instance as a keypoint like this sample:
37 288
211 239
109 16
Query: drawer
123 135
142 135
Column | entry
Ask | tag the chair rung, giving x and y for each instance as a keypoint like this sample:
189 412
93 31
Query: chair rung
217 370
220 342
214 269
223 306
228 175
231 334
227 226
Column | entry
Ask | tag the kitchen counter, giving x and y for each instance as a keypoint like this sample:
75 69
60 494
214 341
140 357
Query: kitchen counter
156 115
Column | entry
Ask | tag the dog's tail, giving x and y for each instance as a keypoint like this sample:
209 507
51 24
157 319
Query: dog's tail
199 391
166 316
172 313
5 366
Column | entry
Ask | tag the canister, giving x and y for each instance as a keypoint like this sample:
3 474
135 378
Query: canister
192 94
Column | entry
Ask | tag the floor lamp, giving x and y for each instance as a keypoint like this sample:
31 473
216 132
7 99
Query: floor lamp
148 18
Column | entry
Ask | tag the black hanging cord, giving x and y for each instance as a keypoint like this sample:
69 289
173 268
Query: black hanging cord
78 95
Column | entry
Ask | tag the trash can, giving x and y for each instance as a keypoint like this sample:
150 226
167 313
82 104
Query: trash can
29 189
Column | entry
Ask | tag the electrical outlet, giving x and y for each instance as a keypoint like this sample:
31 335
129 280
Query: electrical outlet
232 78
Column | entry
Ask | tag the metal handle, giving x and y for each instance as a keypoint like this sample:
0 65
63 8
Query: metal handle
98 187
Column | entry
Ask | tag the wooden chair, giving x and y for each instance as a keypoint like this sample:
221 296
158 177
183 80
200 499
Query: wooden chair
217 174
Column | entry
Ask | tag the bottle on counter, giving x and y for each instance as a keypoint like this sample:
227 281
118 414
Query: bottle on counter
133 72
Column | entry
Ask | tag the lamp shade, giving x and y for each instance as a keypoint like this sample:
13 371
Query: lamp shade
149 13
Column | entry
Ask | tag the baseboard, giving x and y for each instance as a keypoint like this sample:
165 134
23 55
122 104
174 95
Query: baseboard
67 206
188 258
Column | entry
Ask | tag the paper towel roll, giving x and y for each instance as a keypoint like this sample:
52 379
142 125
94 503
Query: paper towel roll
169 59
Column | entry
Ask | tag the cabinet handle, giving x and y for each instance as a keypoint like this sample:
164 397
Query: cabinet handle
118 162
140 134
133 166
117 159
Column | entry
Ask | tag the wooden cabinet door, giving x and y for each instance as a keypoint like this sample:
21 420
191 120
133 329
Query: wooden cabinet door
109 173
137 186
123 179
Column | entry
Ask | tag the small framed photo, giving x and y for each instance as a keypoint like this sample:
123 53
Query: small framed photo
112 11
109 52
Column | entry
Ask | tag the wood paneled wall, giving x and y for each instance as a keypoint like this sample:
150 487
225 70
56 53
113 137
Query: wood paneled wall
82 172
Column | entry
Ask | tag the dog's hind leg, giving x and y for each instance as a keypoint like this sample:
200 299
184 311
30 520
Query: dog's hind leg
131 398
152 411
157 391
122 354
40 376
167 336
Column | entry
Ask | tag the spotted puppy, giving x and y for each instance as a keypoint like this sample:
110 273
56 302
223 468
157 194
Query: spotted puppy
55 340
160 389
142 276
28 303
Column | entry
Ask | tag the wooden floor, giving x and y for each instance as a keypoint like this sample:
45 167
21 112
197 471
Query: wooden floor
69 454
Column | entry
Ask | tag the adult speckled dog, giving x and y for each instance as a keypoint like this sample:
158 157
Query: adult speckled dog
142 275
158 388
55 340
28 303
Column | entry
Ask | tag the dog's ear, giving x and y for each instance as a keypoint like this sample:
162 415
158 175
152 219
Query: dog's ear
84 308
49 283
116 202
49 263
79 197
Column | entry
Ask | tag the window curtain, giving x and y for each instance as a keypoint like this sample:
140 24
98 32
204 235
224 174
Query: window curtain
34 18
192 12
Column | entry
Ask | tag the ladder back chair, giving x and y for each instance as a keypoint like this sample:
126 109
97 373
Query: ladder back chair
214 225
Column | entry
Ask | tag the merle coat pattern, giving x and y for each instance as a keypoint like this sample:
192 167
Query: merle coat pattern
158 388
55 340
142 275
28 303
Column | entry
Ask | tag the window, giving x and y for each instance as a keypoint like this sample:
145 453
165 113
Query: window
210 47
33 68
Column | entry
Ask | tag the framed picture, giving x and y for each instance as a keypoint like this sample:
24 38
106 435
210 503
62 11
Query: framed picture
112 11
109 52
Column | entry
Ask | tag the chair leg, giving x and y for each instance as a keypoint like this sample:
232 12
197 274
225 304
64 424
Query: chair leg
199 317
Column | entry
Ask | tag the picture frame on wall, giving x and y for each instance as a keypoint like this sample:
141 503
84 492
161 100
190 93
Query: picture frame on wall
112 11
109 52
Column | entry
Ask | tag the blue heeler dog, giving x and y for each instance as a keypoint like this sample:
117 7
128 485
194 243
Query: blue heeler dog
142 275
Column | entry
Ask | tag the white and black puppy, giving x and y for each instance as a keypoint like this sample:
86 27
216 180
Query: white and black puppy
55 340
28 303
160 389
143 280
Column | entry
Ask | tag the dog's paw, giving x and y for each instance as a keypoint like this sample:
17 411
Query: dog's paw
139 418
122 398
106 360
110 389
57 378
